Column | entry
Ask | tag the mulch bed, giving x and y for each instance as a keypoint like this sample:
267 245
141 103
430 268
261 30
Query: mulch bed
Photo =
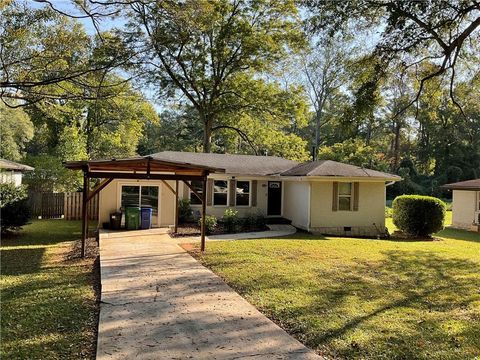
92 259
192 229
401 236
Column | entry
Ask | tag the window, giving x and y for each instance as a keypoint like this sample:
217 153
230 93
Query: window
242 195
135 195
220 192
345 196
478 200
198 186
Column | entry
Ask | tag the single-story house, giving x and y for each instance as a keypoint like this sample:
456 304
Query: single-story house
12 172
321 196
465 204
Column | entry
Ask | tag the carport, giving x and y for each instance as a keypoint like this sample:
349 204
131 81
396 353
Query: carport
144 168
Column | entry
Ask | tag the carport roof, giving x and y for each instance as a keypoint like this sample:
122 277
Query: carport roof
141 164
473 185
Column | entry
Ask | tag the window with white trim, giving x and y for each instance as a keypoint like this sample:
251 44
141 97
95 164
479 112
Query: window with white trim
242 193
220 192
198 186
345 196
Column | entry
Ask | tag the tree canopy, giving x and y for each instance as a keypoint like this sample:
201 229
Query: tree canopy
388 85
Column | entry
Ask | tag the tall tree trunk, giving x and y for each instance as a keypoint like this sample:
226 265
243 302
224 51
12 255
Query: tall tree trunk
207 135
396 146
318 118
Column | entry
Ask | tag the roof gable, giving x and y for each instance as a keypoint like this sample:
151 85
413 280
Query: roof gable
464 185
11 165
336 169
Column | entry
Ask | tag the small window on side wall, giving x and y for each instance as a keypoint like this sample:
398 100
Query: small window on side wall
345 198
198 186
220 192
242 196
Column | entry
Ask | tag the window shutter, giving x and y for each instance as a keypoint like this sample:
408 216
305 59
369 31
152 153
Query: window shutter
232 192
335 196
186 191
356 195
254 192
209 191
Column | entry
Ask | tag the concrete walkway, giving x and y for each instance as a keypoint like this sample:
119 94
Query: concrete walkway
275 231
160 303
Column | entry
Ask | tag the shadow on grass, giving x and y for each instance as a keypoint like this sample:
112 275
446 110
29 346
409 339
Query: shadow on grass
44 232
21 261
395 307
457 234
47 304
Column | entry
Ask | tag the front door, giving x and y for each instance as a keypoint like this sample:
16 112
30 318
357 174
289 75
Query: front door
274 206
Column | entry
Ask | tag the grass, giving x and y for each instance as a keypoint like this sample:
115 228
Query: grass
361 298
48 303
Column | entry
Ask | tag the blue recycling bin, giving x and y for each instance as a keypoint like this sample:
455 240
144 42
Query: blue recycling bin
146 217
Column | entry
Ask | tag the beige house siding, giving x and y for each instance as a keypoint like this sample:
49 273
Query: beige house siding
307 203
110 200
464 205
243 211
371 210
297 203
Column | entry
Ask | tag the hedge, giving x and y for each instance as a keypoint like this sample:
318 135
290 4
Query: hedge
418 215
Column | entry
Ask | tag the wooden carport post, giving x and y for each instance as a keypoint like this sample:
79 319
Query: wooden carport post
204 210
84 211
175 230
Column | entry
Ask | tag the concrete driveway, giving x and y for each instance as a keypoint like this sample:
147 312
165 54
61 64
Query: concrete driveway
159 303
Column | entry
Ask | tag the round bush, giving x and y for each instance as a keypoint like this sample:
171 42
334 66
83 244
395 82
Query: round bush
418 215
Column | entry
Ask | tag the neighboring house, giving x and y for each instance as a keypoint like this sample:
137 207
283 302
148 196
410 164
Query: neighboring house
322 196
12 172
465 204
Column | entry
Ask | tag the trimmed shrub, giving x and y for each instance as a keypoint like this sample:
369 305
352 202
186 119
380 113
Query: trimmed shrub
185 212
254 222
14 210
210 223
418 215
230 220
388 212
9 193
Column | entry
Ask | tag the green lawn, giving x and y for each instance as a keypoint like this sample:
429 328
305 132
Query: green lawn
47 302
359 298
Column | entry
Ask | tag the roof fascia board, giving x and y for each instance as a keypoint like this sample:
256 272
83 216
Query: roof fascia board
339 178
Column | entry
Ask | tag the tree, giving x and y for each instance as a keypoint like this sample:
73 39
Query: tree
354 152
325 71
110 126
411 32
16 130
199 48
45 55
397 93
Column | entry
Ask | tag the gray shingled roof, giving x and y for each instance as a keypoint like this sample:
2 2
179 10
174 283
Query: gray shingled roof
334 168
11 165
233 164
464 185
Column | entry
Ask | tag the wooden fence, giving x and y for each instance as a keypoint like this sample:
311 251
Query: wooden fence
73 206
61 205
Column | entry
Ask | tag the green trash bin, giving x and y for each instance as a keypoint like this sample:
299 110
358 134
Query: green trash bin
132 218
